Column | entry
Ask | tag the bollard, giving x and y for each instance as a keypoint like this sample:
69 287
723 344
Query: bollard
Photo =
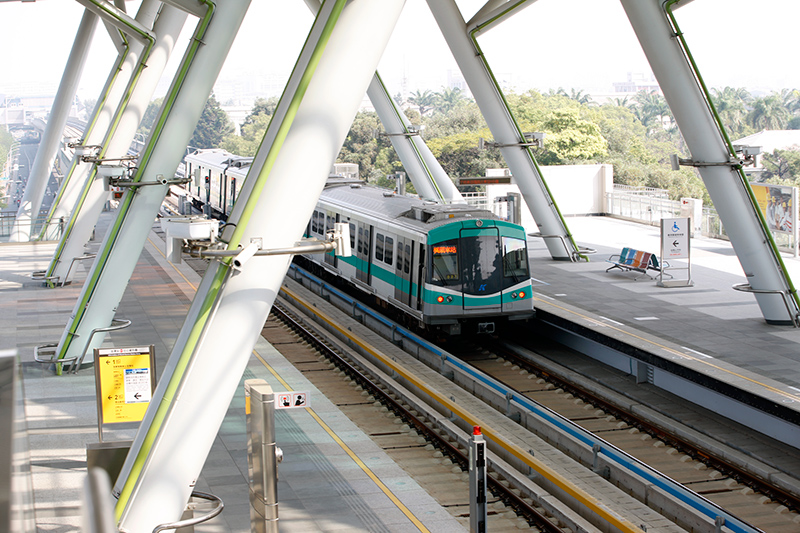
262 456
477 482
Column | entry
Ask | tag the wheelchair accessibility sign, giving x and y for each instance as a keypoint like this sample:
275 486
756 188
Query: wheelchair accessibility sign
292 400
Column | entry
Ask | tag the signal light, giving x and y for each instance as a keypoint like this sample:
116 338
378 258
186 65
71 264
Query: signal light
440 299
522 294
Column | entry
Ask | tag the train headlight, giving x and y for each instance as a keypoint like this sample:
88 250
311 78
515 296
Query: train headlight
440 299
522 294
449 299
513 294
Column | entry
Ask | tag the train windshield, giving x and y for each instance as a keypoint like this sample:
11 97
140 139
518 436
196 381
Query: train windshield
445 262
481 267
515 259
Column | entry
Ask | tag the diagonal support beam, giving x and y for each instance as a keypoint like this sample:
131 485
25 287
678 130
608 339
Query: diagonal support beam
95 307
690 103
230 308
33 196
106 113
462 42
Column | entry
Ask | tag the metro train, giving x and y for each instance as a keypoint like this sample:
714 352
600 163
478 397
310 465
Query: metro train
452 268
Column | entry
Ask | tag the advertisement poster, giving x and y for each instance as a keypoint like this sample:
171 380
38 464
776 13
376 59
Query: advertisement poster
778 204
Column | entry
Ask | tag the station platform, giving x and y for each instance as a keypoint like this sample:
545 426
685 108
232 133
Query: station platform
332 478
709 318
328 476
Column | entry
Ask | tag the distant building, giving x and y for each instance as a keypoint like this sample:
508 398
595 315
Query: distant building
637 81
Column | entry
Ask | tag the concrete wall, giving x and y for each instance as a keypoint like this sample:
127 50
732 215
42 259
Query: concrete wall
577 190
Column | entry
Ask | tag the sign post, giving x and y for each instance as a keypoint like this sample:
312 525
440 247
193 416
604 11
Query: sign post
125 379
675 244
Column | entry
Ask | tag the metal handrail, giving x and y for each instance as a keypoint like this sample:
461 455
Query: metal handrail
575 255
51 361
200 519
115 325
72 263
39 275
745 287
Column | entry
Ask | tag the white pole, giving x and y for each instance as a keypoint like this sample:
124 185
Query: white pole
43 164
218 337
500 121
731 199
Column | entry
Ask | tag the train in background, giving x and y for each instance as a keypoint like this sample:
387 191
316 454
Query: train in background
452 268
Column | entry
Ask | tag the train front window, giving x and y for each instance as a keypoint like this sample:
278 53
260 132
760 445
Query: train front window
480 256
515 258
445 262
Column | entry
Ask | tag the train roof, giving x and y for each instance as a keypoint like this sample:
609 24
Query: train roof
387 205
220 159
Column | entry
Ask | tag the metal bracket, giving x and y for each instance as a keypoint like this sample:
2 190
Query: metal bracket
676 162
574 256
123 183
534 140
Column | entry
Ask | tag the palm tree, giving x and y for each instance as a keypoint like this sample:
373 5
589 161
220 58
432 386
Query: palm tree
448 99
580 97
769 113
652 110
424 101
731 106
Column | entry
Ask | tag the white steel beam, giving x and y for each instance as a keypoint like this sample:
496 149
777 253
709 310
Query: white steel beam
488 95
143 68
92 309
43 164
97 130
429 178
229 310
726 184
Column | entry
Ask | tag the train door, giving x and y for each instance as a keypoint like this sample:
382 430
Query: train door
416 300
330 224
402 287
481 269
363 252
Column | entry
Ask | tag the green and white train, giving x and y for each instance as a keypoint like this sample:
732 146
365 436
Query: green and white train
449 267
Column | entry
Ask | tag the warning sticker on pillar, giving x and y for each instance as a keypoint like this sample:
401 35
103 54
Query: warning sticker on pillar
292 400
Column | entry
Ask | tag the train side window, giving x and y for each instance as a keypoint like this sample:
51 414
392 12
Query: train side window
352 236
314 222
388 254
330 223
360 240
406 259
379 247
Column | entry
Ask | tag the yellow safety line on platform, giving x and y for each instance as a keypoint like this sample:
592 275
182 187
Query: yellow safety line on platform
348 451
789 395
324 426
583 497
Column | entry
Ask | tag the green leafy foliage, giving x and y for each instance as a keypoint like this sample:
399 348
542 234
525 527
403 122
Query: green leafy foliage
213 126
782 167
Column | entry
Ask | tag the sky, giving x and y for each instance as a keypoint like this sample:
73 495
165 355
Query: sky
581 44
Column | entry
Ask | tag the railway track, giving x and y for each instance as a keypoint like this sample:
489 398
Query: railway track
438 464
766 508
754 500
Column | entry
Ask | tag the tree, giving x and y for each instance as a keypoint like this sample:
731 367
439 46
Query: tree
149 117
424 101
783 166
570 138
448 99
769 113
262 106
653 111
731 105
248 142
213 126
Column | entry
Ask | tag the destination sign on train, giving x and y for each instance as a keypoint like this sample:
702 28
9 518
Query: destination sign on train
442 250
